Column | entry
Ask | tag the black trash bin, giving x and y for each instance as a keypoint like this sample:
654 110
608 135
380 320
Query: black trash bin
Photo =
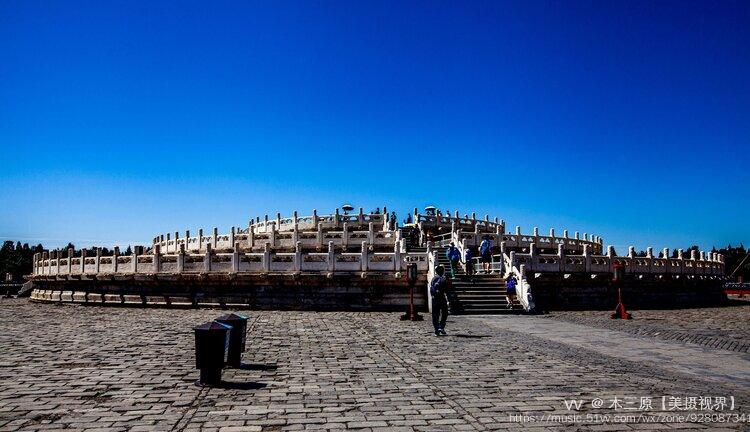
236 337
211 342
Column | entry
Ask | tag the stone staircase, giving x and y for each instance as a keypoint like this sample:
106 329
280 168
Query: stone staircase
482 294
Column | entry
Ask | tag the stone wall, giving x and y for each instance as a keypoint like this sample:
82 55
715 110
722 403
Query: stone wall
555 292
374 291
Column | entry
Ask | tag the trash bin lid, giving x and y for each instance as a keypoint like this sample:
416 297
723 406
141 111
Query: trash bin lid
212 326
232 317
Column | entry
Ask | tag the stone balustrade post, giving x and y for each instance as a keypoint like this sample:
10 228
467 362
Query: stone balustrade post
181 259
518 232
251 237
272 238
70 260
577 235
295 234
157 258
536 232
266 257
57 261
298 256
319 236
231 237
315 219
565 234
345 236
187 240
98 259
680 254
236 257
294 219
397 255
115 259
585 237
134 260
552 232
215 238
365 256
336 218
207 258
702 255
331 257
200 240
587 258
371 233
561 256
631 252
278 221
693 255
533 256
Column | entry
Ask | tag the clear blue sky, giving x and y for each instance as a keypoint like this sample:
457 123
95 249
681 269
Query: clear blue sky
121 120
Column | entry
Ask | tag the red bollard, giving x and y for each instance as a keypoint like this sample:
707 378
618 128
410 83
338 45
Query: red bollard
620 312
411 276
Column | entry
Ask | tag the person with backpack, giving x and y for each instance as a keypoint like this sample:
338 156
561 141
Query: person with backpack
511 290
485 251
469 263
454 257
439 288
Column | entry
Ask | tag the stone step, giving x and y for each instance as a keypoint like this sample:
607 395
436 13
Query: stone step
490 311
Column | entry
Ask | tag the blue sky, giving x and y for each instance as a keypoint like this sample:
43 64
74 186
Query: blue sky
122 120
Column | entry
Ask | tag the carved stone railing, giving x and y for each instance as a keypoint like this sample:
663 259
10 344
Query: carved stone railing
699 263
456 222
55 264
520 241
251 240
335 221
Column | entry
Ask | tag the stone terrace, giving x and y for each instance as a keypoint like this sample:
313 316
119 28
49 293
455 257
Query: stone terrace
89 368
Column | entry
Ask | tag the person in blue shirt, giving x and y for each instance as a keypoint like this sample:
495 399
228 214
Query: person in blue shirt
485 251
511 287
469 263
439 289
454 257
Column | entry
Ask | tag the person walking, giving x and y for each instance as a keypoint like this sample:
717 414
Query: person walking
511 293
469 264
485 251
439 288
454 257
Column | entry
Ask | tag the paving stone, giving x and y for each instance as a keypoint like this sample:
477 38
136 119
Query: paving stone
104 368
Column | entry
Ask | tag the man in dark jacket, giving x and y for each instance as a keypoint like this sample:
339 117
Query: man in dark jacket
439 287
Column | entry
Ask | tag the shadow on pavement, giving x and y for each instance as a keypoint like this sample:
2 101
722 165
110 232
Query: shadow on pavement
257 366
468 336
234 385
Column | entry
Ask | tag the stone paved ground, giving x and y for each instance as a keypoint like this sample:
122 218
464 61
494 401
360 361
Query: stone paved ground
94 368
725 328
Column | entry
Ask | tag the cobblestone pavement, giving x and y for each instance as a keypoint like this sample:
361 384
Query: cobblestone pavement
726 328
96 368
